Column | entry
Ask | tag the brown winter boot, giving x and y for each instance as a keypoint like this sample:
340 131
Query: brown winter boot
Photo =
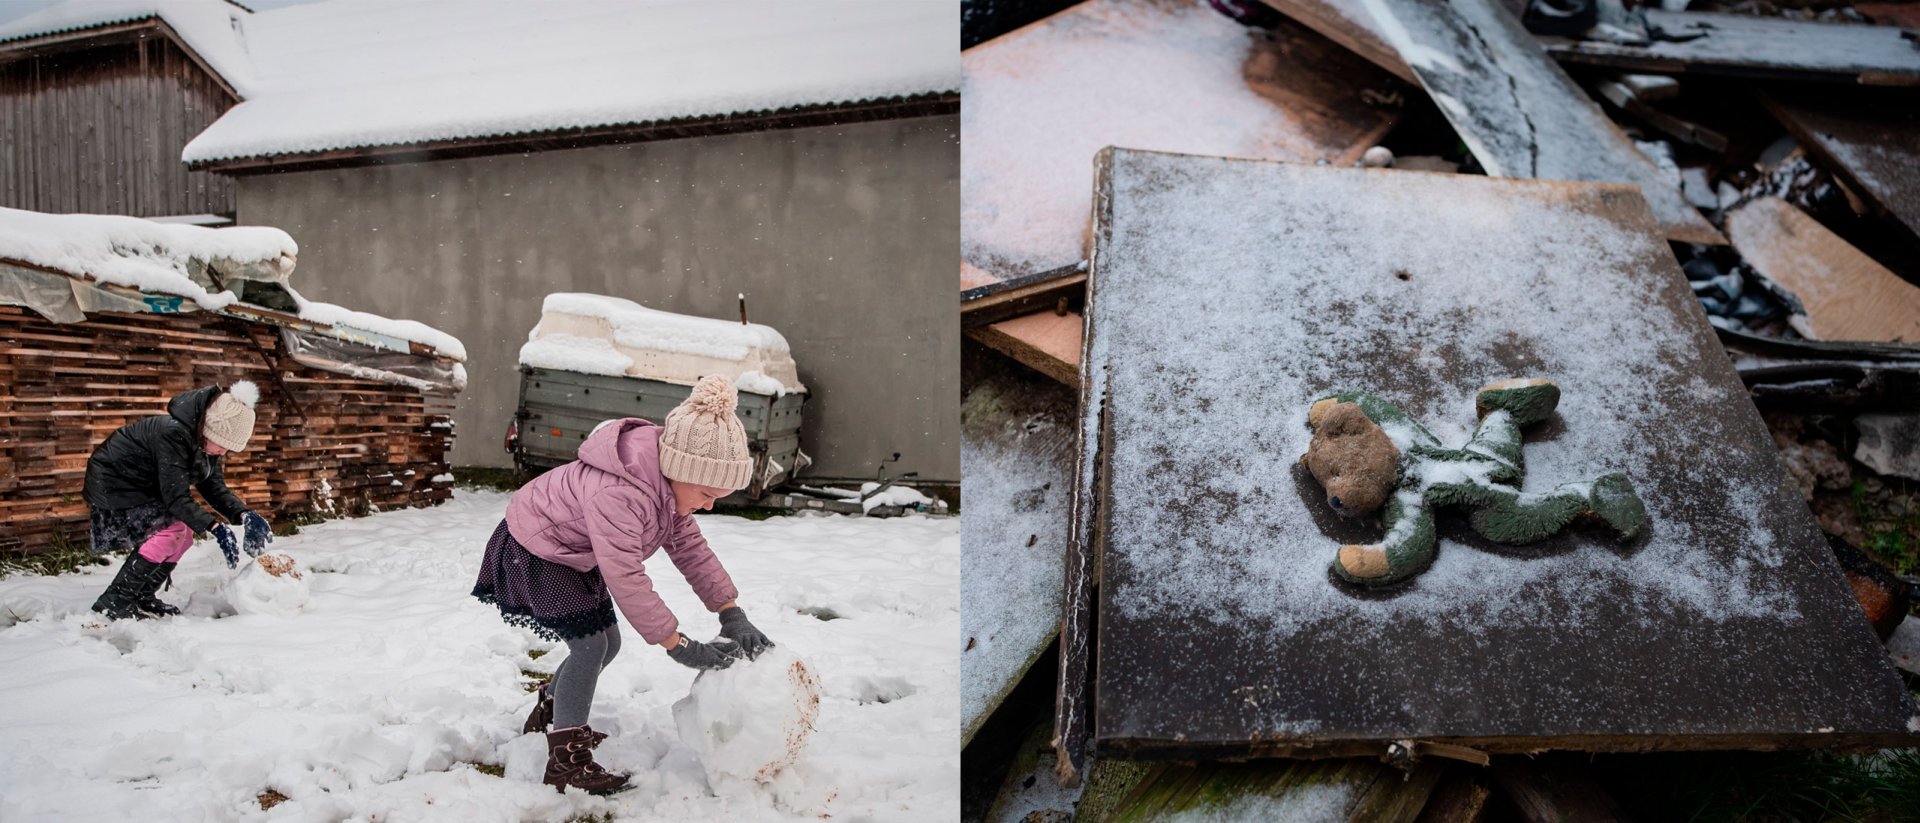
570 763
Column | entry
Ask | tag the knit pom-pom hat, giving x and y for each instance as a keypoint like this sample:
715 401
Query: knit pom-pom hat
704 443
229 418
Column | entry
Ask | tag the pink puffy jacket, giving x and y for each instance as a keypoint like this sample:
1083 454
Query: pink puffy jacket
613 509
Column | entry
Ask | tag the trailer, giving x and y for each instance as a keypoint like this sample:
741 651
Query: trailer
594 358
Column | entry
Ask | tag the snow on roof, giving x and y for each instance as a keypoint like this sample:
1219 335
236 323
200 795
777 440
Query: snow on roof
164 258
595 334
355 73
210 27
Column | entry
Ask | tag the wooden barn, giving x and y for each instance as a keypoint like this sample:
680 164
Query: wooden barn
457 162
104 319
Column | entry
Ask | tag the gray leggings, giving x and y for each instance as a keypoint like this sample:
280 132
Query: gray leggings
573 682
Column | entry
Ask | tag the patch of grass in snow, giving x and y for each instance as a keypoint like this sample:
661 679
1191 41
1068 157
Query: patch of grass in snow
1893 533
603 817
64 556
819 613
482 477
539 679
1816 785
536 654
270 798
287 525
489 769
751 512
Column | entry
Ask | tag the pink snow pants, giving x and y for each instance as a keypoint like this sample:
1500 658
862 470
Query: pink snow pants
168 544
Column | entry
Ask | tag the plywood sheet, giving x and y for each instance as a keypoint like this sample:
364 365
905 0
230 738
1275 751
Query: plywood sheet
1518 112
1017 434
1350 25
1745 45
1158 74
1847 296
1226 295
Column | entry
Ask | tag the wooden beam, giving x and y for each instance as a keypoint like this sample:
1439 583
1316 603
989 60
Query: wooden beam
1045 342
1869 138
1847 296
1059 291
1349 24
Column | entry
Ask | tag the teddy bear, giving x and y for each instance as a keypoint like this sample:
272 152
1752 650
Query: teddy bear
1371 456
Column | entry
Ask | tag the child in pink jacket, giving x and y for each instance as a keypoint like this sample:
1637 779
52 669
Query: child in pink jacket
575 542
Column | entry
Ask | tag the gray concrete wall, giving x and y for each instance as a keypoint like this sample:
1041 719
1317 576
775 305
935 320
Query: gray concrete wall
844 238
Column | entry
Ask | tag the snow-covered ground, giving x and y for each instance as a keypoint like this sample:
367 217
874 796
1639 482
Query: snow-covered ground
376 700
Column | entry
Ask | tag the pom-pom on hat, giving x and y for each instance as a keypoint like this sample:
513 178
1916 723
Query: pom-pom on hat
229 418
704 442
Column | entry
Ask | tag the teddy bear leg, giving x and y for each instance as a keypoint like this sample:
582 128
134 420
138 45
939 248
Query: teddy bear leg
1613 499
1529 399
1406 551
1515 518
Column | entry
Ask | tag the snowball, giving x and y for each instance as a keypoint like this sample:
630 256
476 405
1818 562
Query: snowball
269 585
749 722
1378 157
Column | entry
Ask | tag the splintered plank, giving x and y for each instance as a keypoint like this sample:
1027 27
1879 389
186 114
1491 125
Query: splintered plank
1016 450
1350 25
1870 138
1744 45
1847 296
1517 111
1159 74
1226 295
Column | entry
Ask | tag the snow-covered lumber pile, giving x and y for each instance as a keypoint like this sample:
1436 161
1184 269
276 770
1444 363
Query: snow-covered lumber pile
595 334
104 319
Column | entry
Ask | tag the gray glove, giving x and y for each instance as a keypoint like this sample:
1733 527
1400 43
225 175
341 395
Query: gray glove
694 654
734 627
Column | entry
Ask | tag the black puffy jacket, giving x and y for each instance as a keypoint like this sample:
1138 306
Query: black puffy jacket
159 459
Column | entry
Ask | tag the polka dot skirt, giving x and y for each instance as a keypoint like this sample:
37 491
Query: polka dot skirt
553 600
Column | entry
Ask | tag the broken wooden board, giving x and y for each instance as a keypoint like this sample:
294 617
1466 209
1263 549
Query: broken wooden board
1518 112
1043 341
1744 45
1869 138
1350 25
1225 296
1160 74
1846 295
1016 451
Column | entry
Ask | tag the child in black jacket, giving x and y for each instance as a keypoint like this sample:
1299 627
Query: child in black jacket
139 486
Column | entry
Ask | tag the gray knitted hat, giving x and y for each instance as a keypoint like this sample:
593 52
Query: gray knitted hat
704 442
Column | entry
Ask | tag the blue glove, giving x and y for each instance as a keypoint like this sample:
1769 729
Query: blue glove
258 535
228 546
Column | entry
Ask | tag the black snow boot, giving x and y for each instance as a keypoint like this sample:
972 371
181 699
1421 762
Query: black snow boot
542 715
163 576
129 587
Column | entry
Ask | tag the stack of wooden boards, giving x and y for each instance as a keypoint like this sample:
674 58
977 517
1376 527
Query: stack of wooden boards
323 443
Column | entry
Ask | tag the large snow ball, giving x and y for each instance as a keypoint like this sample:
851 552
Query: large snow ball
269 584
750 721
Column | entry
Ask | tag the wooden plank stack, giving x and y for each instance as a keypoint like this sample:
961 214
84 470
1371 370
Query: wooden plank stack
323 443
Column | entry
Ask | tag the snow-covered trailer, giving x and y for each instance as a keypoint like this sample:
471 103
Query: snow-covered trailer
103 319
594 358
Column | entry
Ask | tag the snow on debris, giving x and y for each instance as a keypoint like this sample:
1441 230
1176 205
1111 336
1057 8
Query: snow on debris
596 334
162 258
140 254
351 73
1040 102
210 27
1302 288
375 701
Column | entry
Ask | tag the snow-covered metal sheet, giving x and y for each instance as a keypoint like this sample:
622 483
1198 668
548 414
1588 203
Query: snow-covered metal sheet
1227 295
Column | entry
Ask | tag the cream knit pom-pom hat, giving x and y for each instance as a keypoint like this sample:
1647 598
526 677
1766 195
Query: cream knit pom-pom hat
229 418
704 442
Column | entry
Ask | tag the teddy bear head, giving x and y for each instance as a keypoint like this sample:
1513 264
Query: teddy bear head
1352 457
